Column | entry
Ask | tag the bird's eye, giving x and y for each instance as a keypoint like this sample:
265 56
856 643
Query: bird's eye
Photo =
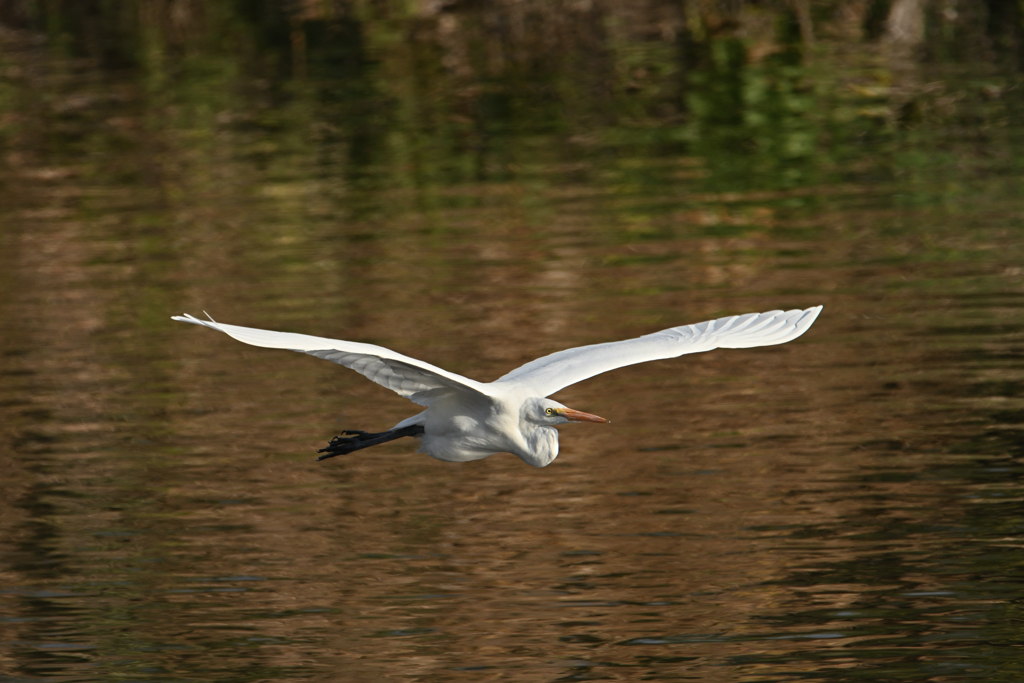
550 411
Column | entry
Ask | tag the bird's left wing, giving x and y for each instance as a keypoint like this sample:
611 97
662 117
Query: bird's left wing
547 375
418 381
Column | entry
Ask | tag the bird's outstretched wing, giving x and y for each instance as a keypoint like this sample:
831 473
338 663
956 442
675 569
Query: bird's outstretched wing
415 380
547 375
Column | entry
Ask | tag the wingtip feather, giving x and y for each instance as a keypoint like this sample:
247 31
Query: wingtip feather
188 318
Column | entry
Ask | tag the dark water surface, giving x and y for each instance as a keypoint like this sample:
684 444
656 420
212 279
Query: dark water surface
844 507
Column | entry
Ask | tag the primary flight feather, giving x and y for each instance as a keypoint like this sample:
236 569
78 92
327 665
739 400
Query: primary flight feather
469 420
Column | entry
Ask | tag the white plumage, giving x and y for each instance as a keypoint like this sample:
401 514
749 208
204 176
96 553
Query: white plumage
468 420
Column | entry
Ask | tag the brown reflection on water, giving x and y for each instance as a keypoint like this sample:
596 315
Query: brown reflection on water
773 512
161 505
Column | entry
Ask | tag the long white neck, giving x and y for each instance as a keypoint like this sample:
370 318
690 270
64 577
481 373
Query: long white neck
542 445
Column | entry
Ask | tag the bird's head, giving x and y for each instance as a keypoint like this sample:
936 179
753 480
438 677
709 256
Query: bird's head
546 412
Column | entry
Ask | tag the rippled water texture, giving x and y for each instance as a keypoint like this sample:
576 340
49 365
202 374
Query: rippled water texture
844 507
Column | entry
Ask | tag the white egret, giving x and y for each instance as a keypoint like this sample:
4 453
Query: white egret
469 420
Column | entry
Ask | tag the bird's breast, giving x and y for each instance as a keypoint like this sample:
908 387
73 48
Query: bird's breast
461 438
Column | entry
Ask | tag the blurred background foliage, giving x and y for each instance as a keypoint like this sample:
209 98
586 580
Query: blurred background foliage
434 91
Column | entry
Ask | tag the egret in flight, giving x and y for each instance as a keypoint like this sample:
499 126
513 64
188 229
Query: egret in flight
469 420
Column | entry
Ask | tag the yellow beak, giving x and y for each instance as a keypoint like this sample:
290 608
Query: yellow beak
579 416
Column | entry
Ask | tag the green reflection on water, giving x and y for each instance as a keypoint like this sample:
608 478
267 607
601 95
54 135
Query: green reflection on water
478 187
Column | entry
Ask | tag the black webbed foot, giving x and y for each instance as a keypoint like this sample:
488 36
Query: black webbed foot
345 444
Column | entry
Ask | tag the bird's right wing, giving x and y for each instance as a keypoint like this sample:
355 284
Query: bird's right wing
415 380
547 375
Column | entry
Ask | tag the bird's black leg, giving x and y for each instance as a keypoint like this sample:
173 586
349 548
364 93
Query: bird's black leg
342 445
